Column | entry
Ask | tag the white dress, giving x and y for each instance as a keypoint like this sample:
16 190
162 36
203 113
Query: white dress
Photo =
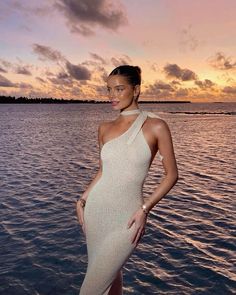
111 202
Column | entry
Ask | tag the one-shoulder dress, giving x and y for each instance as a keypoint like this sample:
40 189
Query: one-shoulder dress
111 202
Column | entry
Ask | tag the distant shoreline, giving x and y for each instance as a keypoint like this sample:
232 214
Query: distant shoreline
26 100
10 99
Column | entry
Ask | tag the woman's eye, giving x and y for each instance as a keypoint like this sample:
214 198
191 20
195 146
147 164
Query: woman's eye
117 90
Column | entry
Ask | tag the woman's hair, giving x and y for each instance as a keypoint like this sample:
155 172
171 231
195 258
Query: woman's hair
132 73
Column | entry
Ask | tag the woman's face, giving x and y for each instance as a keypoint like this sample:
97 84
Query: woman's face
120 92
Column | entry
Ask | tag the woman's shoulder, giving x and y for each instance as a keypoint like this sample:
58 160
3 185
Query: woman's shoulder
104 125
156 121
158 125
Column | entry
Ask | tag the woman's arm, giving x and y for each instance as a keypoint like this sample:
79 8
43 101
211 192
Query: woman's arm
99 173
165 146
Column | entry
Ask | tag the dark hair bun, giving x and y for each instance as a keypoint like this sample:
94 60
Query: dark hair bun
132 73
138 69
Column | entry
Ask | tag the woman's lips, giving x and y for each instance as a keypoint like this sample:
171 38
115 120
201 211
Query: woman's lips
114 102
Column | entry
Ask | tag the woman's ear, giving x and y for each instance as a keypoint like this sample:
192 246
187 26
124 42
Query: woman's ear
137 89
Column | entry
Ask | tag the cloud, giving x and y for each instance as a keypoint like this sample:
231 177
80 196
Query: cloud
90 63
2 70
99 73
5 63
62 78
174 71
154 67
78 72
204 84
48 73
162 85
83 15
98 58
16 68
221 62
47 53
101 90
24 85
173 90
28 10
182 92
188 40
4 82
63 75
175 82
58 81
159 89
97 70
23 70
226 77
229 89
26 13
104 76
40 80
124 60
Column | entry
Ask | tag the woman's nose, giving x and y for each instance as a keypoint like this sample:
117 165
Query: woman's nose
111 94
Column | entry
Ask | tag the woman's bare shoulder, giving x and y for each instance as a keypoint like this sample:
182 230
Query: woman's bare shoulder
103 126
157 122
158 126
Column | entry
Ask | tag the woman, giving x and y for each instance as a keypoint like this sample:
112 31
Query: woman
112 211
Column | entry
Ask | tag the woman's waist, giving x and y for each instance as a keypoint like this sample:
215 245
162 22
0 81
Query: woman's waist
107 208
114 197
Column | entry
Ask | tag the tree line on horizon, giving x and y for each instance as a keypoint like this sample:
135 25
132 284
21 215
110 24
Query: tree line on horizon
13 99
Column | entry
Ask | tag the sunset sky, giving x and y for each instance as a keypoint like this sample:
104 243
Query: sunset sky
66 48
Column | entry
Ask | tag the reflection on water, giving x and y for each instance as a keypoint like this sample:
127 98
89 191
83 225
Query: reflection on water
49 154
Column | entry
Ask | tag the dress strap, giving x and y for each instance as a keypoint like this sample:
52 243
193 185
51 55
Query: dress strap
139 125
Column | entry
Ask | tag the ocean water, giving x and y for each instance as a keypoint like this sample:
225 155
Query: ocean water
48 156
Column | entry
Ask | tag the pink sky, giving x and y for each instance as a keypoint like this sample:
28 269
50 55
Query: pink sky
65 49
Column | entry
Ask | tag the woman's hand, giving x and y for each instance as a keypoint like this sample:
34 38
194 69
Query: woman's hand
80 215
139 218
